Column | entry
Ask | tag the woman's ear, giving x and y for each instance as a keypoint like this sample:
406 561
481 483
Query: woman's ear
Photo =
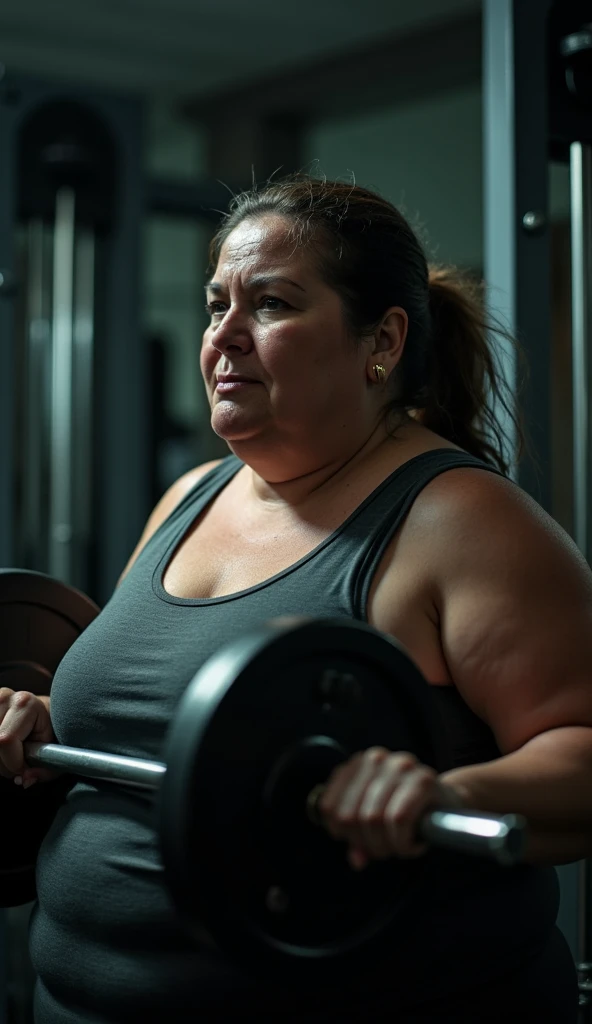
389 341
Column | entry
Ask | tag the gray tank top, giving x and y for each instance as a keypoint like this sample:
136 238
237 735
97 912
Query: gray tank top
105 941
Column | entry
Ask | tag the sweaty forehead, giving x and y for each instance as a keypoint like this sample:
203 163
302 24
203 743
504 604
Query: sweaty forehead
259 245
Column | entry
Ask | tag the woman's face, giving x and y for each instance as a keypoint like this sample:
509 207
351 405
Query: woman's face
277 359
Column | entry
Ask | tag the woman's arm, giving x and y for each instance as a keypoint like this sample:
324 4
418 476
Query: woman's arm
549 781
514 599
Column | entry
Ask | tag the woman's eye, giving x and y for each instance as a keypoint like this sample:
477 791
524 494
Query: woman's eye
215 308
267 302
271 304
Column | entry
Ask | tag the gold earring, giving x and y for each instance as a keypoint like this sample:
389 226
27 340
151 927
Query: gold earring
379 373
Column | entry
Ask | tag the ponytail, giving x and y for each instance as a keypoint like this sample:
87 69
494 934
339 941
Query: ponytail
464 380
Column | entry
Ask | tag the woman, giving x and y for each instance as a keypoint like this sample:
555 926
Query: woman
367 479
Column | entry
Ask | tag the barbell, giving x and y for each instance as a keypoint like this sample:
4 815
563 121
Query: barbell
236 795
489 835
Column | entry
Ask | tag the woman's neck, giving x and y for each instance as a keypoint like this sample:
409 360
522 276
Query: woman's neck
283 480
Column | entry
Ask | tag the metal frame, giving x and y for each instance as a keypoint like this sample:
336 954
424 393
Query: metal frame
521 119
517 249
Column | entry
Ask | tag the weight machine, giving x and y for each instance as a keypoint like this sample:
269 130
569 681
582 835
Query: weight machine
537 93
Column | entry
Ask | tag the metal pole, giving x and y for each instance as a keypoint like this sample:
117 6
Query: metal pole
581 267
499 172
83 398
60 537
37 340
516 227
8 362
93 764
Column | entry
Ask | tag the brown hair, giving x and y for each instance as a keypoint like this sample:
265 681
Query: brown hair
368 252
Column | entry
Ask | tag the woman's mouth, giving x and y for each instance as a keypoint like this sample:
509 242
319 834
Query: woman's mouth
232 383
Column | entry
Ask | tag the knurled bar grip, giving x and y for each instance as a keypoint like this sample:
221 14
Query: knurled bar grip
500 838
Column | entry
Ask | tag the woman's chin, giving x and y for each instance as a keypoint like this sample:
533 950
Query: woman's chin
232 427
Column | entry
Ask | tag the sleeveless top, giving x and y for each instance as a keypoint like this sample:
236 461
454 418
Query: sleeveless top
105 941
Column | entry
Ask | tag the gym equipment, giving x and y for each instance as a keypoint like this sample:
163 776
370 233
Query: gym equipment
258 731
40 620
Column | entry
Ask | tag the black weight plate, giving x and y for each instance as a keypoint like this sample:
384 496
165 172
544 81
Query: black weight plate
261 723
40 618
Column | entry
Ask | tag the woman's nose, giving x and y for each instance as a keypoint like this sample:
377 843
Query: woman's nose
232 333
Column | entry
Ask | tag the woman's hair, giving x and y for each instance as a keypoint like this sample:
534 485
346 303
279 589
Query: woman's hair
449 375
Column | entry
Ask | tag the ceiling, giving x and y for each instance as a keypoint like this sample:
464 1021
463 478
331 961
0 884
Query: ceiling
189 48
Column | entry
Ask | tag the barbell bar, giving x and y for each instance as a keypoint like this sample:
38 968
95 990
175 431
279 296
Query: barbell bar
487 835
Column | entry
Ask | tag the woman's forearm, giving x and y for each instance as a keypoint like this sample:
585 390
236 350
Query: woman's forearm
549 781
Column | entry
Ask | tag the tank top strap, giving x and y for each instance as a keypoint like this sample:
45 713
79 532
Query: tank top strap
383 513
206 489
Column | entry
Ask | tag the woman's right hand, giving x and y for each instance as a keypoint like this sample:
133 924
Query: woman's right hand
23 717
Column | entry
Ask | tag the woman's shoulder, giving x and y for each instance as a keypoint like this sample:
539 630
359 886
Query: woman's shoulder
481 495
472 518
472 523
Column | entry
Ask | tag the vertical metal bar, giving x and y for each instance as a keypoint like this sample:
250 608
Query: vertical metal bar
517 247
581 266
499 172
34 454
60 543
8 217
532 237
83 406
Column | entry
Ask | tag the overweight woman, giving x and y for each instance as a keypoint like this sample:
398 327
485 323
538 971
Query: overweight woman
367 479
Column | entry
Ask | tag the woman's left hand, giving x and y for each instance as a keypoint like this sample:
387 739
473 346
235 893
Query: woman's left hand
375 802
